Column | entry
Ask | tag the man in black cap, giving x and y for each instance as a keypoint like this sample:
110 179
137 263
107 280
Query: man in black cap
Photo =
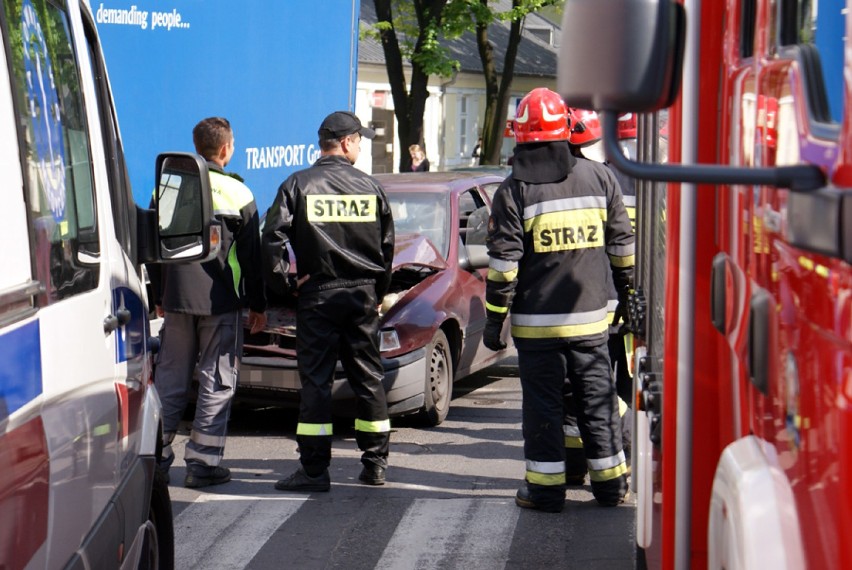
339 225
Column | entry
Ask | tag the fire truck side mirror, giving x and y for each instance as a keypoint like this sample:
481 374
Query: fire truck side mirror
636 67
636 62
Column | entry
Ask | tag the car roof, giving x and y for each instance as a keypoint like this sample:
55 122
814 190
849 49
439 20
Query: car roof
434 181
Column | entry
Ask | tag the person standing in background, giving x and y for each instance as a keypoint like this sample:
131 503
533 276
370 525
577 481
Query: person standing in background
419 162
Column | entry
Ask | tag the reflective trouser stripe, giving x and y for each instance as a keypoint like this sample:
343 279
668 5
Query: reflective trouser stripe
572 437
206 439
313 429
606 468
210 459
546 472
608 474
381 426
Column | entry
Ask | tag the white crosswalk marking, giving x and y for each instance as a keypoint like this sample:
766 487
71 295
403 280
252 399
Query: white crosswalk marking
226 531
470 533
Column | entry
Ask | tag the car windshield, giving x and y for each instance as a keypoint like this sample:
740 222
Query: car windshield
423 213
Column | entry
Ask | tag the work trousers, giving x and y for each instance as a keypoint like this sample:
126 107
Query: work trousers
340 324
212 345
565 389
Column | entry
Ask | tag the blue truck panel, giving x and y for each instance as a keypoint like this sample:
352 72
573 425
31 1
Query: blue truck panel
273 68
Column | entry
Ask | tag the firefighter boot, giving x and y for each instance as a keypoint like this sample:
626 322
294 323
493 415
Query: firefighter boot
199 475
525 499
372 474
301 482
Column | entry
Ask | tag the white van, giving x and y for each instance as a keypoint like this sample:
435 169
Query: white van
79 417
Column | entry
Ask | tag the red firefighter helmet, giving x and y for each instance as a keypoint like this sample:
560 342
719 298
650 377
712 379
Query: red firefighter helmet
541 117
585 127
627 126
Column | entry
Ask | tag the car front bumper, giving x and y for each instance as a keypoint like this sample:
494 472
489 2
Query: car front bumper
275 378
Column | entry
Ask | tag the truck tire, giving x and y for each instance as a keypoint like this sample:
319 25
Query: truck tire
438 389
159 552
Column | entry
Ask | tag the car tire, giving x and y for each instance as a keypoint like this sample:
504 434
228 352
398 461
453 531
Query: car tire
159 549
438 389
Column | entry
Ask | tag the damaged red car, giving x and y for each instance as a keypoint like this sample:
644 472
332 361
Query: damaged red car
431 320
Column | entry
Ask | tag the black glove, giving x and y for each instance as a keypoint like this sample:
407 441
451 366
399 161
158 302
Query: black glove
622 313
491 338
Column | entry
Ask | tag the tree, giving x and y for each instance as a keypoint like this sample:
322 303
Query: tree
413 31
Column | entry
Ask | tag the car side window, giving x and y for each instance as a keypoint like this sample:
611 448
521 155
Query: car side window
58 177
471 205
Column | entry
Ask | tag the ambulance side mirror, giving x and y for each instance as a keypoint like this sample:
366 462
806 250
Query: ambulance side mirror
186 230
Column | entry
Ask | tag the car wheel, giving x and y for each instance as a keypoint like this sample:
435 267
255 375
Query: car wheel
438 390
159 547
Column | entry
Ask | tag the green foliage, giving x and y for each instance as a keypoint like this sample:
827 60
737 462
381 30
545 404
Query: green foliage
420 37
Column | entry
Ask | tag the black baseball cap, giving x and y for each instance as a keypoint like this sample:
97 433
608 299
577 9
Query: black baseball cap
342 123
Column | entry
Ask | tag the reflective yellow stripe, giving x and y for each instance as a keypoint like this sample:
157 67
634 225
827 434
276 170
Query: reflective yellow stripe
502 276
608 474
625 261
622 407
229 194
337 208
567 230
495 308
313 429
628 349
564 331
573 442
381 426
545 478
236 271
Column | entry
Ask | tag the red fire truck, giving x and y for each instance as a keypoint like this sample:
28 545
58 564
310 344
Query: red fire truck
743 295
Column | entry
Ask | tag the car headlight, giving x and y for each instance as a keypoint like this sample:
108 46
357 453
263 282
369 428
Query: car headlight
388 340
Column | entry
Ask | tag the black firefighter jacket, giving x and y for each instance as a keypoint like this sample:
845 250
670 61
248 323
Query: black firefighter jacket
558 226
339 224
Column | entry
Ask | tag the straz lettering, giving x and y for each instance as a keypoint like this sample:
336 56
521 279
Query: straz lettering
567 229
341 208
568 236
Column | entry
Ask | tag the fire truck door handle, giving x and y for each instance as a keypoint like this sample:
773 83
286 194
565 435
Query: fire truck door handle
719 293
759 337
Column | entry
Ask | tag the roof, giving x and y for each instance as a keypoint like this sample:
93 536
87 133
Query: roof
535 58
435 181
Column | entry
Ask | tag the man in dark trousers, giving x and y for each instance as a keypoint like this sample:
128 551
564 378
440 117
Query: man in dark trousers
201 304
557 226
339 224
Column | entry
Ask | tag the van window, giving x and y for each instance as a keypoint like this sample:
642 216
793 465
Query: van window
54 133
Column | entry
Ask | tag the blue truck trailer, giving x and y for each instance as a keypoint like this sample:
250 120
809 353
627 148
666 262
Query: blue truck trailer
274 68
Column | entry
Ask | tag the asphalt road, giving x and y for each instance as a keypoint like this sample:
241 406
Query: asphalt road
448 503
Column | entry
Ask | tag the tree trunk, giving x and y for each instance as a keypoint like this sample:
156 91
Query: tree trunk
496 95
409 106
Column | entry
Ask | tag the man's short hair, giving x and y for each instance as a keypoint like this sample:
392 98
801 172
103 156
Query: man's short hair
210 134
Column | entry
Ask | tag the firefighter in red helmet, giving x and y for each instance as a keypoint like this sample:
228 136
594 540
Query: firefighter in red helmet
557 227
584 132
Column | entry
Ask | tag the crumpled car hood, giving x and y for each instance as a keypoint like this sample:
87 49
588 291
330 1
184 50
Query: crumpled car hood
414 249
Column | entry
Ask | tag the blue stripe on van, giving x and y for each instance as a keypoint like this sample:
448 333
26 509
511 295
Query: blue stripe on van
20 368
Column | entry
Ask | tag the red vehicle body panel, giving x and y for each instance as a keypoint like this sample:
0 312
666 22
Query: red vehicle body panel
749 108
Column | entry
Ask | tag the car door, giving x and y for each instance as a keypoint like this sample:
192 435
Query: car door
473 211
